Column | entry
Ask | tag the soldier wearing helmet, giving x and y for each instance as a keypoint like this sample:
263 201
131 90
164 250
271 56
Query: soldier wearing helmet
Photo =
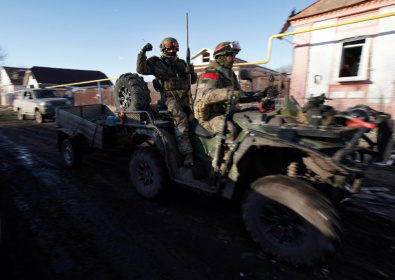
216 84
171 80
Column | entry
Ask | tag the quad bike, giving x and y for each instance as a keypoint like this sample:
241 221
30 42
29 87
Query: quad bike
290 165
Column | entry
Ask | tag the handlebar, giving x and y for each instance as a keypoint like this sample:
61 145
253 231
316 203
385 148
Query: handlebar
251 96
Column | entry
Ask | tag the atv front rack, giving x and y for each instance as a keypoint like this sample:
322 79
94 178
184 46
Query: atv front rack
306 131
353 156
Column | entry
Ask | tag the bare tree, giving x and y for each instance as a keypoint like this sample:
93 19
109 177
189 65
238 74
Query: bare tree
3 56
285 69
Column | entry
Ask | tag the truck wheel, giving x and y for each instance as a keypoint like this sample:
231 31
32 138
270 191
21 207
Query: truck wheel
21 116
71 157
39 116
290 219
131 92
148 173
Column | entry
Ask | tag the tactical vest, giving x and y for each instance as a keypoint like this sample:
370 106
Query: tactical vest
202 111
164 84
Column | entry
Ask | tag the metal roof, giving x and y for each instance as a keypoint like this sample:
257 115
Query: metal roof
59 76
324 6
16 74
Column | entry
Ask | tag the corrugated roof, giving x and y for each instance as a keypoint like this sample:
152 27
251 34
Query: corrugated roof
59 76
15 74
324 6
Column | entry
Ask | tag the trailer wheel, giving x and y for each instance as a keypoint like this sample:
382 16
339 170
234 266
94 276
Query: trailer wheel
291 220
131 92
148 173
21 116
71 157
39 116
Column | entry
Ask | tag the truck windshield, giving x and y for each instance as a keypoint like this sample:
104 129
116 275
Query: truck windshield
46 93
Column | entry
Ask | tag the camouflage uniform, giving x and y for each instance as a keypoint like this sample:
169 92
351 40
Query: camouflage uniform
216 85
172 81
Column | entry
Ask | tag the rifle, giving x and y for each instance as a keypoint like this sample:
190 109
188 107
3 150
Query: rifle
188 59
219 151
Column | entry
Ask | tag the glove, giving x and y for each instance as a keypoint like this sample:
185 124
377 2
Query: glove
237 94
147 47
190 69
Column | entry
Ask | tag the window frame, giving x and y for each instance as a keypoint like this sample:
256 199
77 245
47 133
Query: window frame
363 74
206 57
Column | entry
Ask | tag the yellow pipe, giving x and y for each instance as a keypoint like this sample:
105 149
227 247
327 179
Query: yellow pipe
80 83
304 31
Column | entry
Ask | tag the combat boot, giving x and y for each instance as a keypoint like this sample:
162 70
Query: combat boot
188 159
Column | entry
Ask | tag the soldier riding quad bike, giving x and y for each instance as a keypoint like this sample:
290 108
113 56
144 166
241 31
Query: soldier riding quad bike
289 173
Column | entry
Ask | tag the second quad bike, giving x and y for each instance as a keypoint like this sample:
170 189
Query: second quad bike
289 165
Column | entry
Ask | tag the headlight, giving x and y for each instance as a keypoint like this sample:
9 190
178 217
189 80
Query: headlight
68 102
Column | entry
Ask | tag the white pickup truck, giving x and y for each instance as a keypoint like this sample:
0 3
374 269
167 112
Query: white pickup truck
40 103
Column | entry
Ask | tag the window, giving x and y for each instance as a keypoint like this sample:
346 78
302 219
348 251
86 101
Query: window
46 93
354 59
206 57
15 75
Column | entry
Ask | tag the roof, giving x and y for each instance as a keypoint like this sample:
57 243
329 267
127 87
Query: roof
15 74
59 76
324 6
204 50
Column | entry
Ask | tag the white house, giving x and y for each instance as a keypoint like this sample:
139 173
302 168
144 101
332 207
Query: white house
353 63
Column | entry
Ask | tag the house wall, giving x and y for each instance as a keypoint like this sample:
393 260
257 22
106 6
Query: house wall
319 52
91 96
31 81
4 79
8 91
300 64
5 86
382 90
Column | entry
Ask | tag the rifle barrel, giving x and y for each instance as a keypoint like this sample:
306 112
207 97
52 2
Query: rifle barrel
186 14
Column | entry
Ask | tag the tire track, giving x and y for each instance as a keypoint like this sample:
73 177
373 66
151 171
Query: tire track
70 210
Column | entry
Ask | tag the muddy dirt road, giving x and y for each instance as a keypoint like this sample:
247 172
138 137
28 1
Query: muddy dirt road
89 223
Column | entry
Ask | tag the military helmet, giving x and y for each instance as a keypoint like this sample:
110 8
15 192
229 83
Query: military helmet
168 43
226 48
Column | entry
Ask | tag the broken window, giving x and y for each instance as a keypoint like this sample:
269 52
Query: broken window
353 60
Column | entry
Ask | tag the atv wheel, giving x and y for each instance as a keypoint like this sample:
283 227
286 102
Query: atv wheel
290 219
131 92
21 116
148 173
71 157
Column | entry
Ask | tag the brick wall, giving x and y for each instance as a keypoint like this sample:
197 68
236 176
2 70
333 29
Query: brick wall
90 96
